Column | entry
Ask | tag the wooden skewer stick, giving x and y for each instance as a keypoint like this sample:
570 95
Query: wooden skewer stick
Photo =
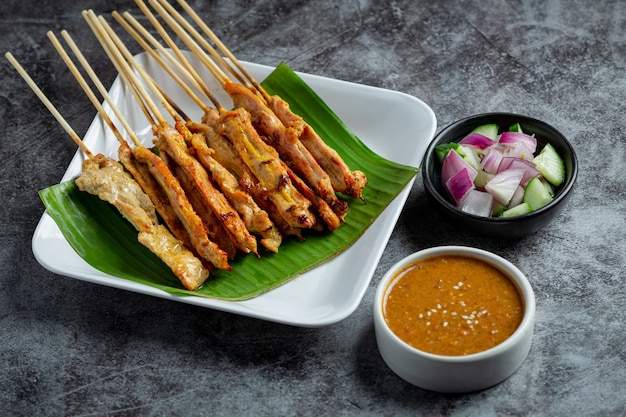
88 91
181 57
193 46
93 24
215 39
186 70
124 67
31 83
166 102
83 83
199 102
202 41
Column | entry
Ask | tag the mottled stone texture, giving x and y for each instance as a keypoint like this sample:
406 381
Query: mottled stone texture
73 348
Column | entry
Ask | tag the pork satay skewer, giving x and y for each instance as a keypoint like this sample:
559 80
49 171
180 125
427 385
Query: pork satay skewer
284 139
257 221
343 179
195 226
139 171
172 142
292 206
126 195
206 248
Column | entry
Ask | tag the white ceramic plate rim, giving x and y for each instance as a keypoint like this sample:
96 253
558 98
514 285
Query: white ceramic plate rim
397 126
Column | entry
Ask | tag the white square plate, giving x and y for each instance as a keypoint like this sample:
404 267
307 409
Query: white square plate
395 125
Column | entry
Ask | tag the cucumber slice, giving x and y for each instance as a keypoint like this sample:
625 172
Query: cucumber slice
551 165
497 209
518 210
482 178
538 193
489 130
443 149
516 128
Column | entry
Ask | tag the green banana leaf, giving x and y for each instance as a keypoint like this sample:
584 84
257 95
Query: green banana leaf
109 243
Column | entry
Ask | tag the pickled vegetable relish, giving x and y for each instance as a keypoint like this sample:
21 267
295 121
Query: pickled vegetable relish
452 305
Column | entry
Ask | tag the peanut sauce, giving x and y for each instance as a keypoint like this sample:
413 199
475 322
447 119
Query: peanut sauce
452 305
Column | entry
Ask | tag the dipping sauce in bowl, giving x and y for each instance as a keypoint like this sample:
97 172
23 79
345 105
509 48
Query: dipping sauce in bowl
452 305
454 319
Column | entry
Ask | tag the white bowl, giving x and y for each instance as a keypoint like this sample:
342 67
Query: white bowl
456 374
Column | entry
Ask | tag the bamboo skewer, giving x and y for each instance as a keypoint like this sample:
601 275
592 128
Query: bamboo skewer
92 22
200 39
193 46
173 109
89 92
215 39
184 36
176 50
53 110
126 62
140 40
126 59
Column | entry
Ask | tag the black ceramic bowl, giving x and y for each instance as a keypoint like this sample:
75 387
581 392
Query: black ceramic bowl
494 226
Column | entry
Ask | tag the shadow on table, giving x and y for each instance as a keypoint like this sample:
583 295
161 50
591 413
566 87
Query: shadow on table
385 386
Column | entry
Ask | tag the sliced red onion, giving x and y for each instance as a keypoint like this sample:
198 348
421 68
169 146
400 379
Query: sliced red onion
471 155
491 160
518 150
477 140
477 202
513 138
518 197
459 185
503 185
530 171
453 164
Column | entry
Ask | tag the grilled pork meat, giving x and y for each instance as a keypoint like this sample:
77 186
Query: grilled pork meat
107 179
